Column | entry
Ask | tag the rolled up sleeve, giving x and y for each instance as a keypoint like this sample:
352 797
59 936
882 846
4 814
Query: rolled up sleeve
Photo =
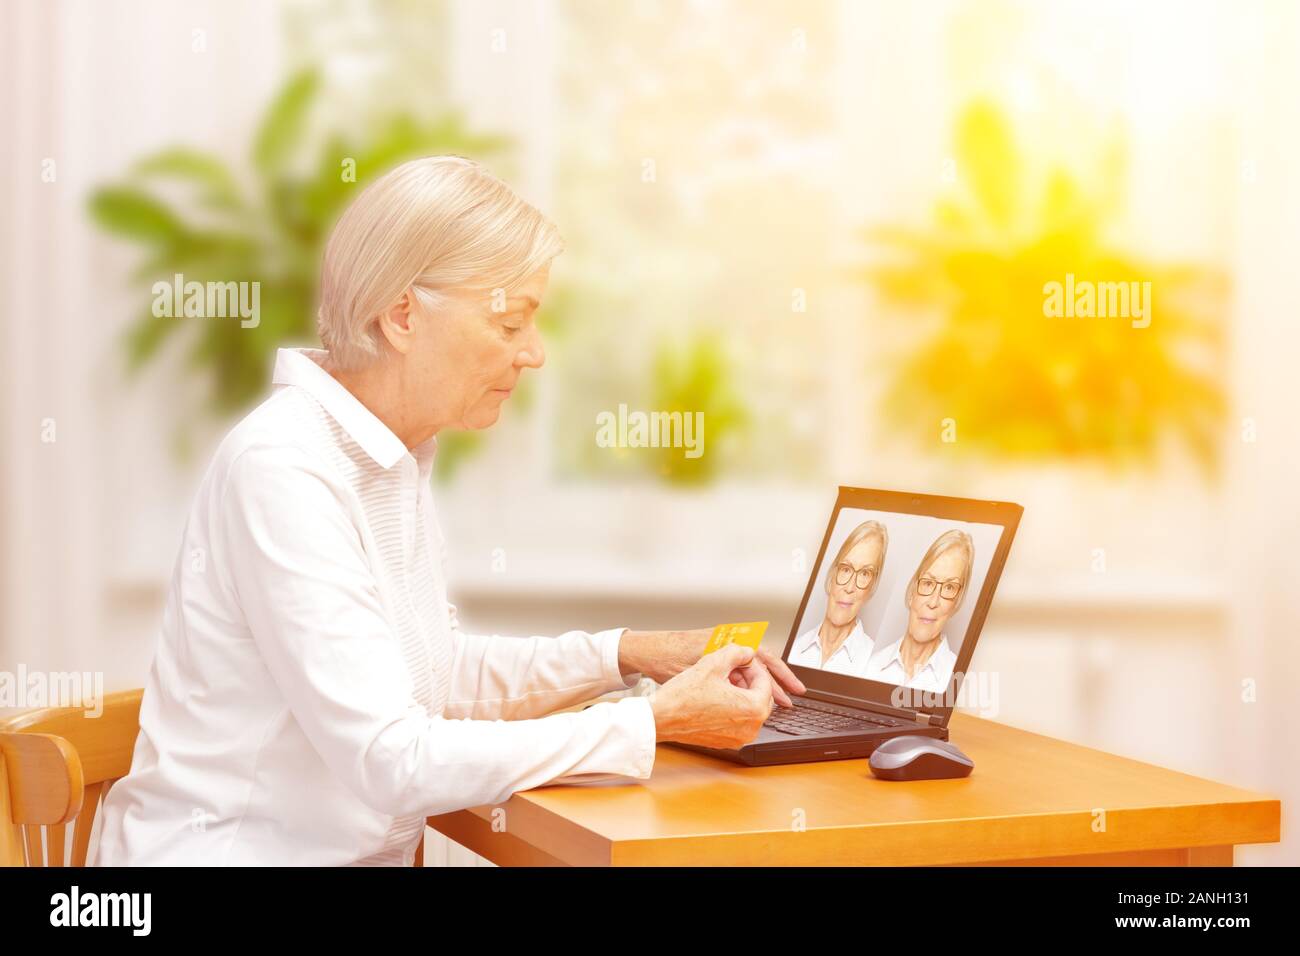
311 601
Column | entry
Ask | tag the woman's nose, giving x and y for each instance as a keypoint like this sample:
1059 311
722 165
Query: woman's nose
534 356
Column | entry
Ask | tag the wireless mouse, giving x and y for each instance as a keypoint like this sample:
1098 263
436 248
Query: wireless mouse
919 758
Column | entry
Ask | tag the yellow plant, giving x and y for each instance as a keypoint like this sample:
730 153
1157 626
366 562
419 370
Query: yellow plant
1011 382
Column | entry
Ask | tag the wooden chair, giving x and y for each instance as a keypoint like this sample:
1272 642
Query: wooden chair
56 764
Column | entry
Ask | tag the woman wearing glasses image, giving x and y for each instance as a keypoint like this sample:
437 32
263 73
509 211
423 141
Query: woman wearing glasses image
921 658
839 642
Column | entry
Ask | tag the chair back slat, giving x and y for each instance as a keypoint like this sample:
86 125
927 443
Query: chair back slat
85 823
55 844
35 849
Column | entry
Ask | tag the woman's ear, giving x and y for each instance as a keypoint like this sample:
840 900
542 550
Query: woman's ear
396 323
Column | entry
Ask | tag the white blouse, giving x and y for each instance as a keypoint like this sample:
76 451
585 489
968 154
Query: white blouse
849 658
312 698
933 675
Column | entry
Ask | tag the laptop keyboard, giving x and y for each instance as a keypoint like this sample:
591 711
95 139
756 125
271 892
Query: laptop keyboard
809 718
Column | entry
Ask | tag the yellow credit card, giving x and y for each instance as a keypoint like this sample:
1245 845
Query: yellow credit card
749 634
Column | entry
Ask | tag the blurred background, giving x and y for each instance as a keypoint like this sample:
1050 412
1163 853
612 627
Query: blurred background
825 225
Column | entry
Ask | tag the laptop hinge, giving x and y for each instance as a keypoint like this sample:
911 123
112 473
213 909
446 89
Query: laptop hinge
930 720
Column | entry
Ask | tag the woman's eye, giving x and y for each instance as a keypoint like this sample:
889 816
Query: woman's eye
511 329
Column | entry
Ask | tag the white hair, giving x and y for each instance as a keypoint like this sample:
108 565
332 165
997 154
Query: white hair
430 225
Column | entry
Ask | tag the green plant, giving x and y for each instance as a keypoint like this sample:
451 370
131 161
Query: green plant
267 226
696 379
1022 386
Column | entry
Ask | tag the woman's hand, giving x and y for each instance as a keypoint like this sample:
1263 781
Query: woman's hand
784 679
662 655
706 705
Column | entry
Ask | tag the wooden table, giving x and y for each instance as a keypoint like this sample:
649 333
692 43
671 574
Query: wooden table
1031 800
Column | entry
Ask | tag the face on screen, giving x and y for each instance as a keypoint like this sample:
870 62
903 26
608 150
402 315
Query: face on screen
898 597
935 595
851 581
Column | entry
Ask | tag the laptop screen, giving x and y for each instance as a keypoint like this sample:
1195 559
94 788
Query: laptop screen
892 597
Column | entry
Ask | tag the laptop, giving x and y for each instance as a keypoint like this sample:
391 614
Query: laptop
888 624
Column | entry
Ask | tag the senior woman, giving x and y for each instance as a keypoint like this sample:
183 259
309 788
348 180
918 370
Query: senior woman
839 643
921 659
312 698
